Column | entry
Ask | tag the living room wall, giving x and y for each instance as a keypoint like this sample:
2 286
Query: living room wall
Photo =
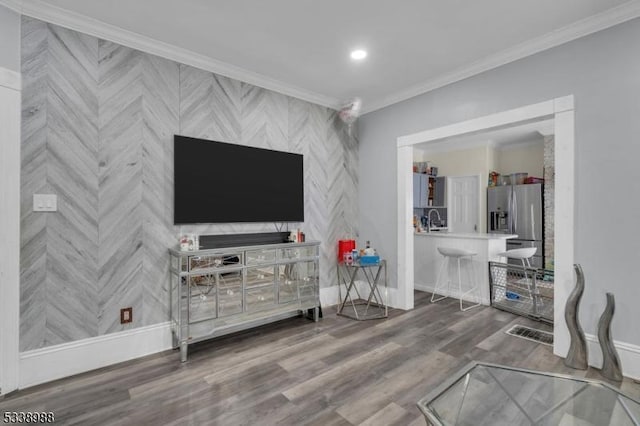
97 130
602 72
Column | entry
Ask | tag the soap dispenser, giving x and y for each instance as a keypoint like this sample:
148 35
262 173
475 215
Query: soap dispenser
424 221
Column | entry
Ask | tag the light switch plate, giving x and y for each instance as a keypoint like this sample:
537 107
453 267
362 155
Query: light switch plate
45 202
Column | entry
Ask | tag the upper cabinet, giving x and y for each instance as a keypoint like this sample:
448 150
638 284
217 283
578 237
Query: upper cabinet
428 191
420 190
437 191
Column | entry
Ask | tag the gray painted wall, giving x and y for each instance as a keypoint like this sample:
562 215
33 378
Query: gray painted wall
9 39
97 130
603 72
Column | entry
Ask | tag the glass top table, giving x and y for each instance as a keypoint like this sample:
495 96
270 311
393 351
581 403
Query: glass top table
488 394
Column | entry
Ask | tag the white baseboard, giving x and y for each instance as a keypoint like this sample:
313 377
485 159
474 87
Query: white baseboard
329 296
423 287
453 294
629 356
55 362
393 298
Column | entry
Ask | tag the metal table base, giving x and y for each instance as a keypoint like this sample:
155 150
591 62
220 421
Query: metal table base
374 306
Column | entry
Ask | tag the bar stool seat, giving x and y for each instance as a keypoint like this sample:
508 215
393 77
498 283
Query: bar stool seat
457 254
524 254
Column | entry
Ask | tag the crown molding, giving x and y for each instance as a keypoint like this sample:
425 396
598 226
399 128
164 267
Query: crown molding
584 27
77 22
15 5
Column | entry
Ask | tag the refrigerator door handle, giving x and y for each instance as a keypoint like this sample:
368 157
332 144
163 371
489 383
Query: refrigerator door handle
514 211
510 212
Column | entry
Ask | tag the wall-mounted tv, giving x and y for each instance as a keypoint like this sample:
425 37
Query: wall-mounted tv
218 182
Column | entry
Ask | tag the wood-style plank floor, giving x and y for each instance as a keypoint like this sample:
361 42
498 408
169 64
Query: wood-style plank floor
334 372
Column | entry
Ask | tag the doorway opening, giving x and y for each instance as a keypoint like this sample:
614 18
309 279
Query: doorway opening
561 111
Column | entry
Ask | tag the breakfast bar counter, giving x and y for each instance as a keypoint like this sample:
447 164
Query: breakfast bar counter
467 235
427 260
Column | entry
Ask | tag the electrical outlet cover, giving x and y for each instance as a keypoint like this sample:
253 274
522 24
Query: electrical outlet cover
126 315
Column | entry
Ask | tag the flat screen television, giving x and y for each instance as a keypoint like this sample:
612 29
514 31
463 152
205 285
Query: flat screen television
218 182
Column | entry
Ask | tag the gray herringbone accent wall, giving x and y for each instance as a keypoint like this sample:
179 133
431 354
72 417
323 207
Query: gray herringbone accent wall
59 258
120 243
97 130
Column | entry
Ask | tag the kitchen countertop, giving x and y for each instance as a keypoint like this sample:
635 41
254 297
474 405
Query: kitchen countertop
467 235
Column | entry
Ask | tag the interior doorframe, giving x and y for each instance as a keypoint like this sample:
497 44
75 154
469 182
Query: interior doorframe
10 105
562 111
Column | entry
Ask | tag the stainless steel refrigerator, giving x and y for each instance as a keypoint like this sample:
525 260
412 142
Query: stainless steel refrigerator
518 209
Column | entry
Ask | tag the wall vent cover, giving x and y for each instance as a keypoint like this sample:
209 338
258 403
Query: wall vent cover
532 334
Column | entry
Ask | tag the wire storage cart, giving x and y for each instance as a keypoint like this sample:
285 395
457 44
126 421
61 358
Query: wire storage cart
522 290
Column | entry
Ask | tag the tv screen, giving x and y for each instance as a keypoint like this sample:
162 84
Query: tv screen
217 182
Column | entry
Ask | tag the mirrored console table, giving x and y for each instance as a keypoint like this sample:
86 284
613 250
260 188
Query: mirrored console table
221 291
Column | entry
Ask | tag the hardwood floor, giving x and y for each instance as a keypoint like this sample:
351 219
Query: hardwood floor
334 372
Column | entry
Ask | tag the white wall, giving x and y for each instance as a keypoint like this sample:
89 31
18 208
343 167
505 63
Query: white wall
9 39
525 158
602 71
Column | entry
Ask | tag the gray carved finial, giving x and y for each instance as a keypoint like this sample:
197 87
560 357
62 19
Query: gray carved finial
577 355
610 361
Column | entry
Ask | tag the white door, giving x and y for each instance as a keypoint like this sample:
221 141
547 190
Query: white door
463 196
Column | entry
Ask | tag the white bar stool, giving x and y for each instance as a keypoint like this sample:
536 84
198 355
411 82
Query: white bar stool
524 254
457 254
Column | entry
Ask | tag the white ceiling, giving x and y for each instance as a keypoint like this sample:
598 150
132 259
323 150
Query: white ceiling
301 47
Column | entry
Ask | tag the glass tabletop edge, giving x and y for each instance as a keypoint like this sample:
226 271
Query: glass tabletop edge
459 374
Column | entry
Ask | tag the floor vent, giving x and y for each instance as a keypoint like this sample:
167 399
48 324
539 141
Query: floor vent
532 334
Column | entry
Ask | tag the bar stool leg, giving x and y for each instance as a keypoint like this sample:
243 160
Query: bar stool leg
472 282
460 285
526 277
435 289
534 294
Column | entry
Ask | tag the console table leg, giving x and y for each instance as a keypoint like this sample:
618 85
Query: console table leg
183 351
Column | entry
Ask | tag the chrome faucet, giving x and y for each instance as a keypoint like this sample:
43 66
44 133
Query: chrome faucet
430 221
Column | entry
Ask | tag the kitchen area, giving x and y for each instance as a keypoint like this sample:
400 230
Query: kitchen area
482 197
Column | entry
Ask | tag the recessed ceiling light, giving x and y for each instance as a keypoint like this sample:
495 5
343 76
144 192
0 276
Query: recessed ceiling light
358 54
